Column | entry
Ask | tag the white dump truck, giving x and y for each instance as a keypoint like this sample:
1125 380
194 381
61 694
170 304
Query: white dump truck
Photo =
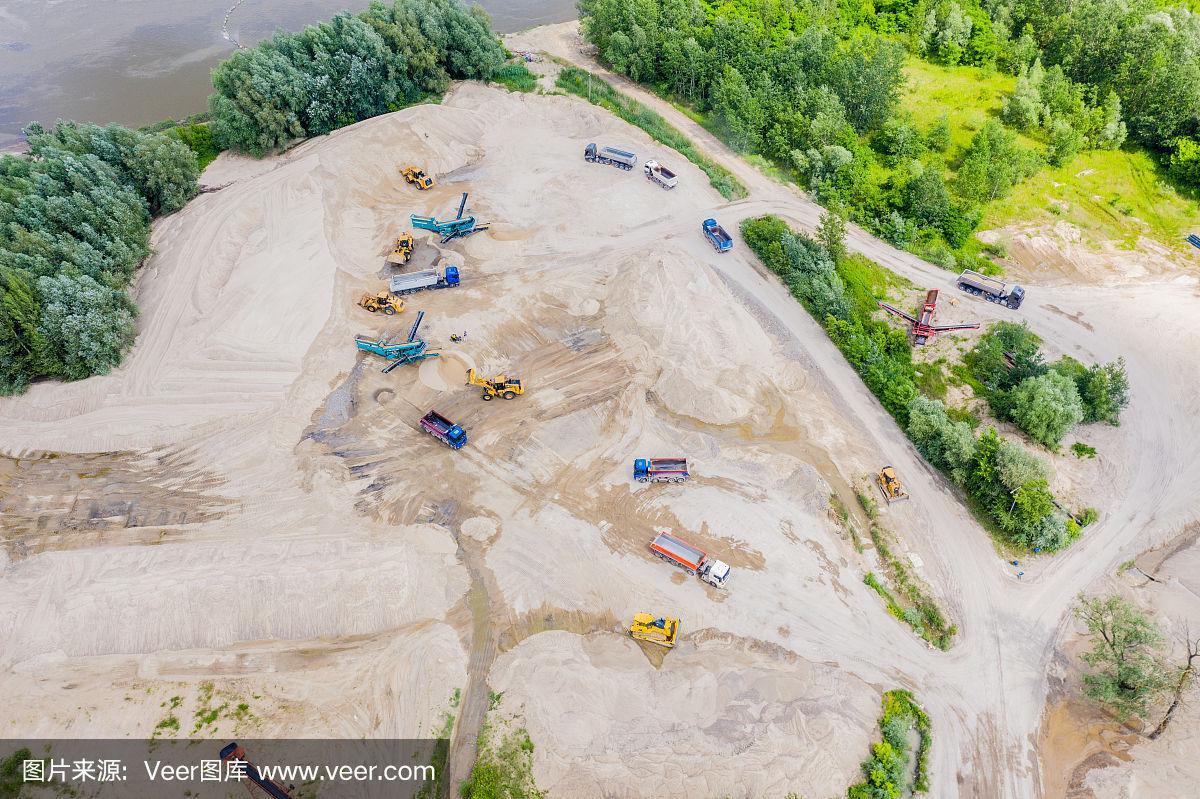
659 174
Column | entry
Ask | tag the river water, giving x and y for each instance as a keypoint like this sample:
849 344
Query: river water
139 61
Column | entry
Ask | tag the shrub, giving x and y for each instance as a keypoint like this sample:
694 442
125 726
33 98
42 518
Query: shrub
1046 407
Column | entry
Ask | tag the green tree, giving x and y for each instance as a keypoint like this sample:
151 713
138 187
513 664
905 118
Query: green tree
88 326
161 168
1046 407
23 349
1127 674
938 137
993 164
831 233
946 32
1065 142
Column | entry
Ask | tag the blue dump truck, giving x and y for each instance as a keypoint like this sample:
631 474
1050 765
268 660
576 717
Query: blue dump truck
660 470
716 235
234 757
444 430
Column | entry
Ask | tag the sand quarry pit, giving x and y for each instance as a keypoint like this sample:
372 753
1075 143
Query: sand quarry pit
245 513
247 507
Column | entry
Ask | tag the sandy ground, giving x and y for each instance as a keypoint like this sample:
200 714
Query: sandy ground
349 573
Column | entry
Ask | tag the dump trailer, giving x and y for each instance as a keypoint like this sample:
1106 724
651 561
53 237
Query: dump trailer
444 430
609 155
425 279
690 559
657 173
991 289
659 630
716 235
660 470
234 755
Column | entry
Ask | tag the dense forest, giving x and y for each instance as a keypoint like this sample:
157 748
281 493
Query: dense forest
815 88
348 69
75 212
74 226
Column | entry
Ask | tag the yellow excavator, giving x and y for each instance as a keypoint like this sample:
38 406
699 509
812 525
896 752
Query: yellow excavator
655 629
402 250
383 301
507 387
417 177
890 485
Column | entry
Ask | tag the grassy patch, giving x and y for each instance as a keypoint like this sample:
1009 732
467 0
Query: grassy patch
915 607
504 766
867 283
931 378
599 92
1111 195
966 96
515 77
842 515
869 506
886 771
1082 450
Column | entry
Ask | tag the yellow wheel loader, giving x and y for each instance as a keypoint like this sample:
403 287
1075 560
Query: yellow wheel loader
402 250
890 485
507 387
655 629
417 177
383 301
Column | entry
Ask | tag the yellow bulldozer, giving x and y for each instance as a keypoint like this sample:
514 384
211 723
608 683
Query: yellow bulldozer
507 387
890 485
383 301
655 629
402 250
417 177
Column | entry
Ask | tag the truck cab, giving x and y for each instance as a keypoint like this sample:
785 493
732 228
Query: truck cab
715 573
456 437
1015 297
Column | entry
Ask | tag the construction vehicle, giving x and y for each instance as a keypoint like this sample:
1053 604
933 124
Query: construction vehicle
458 227
657 173
382 301
991 289
417 177
716 235
1193 240
923 328
659 630
507 387
402 250
425 279
609 155
413 350
690 559
660 470
444 430
890 485
234 758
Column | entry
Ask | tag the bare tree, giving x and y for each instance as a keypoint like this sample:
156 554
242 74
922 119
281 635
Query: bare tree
1192 647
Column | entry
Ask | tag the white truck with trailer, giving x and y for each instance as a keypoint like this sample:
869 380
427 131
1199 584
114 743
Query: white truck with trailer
692 560
609 155
991 289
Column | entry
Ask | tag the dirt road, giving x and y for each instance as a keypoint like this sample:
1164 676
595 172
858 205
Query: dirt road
986 697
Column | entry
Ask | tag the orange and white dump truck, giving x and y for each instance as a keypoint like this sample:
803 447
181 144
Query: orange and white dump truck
690 559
